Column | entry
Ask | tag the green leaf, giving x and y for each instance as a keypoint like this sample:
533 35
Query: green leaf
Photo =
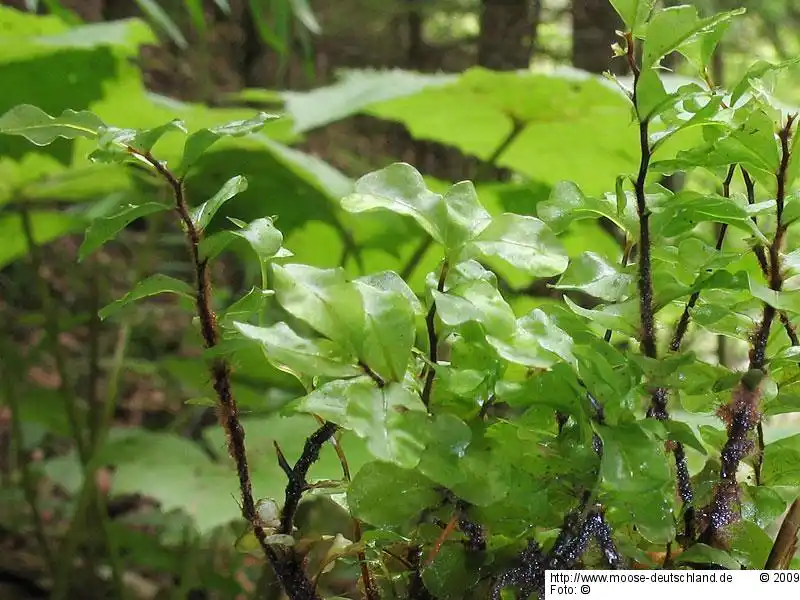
477 301
757 71
788 300
782 462
201 140
41 129
385 495
287 350
681 432
537 342
245 308
621 318
202 215
158 15
144 140
675 26
324 299
390 281
401 189
634 13
105 228
388 332
592 274
153 285
523 242
391 419
704 554
683 211
568 203
466 217
636 474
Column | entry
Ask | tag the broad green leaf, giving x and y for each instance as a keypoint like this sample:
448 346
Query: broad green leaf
41 129
523 242
681 432
634 13
390 419
782 462
390 281
465 464
152 286
568 203
263 237
324 299
144 140
651 97
201 140
592 274
753 143
466 217
385 495
788 300
286 349
620 318
675 26
537 342
202 215
683 211
388 332
105 228
704 554
245 308
478 301
636 475
158 15
401 189
451 575
758 71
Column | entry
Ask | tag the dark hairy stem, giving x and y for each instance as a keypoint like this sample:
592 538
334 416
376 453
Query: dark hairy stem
579 528
645 280
433 340
658 401
296 475
743 414
761 256
285 562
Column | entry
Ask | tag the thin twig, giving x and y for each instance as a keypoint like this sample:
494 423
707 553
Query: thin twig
683 323
287 565
370 590
296 475
785 546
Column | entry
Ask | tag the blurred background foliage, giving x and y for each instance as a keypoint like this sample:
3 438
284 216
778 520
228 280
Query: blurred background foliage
508 93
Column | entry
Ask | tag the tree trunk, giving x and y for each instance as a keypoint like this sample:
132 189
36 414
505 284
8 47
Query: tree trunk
594 23
507 34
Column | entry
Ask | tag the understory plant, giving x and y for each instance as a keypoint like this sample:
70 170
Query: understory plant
605 431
